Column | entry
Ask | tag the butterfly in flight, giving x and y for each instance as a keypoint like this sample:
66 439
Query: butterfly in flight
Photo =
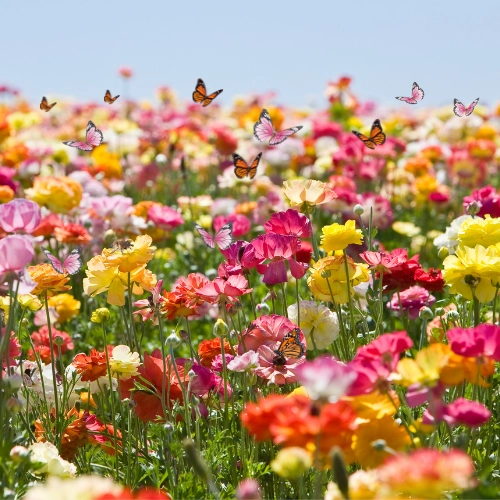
200 94
417 94
291 347
460 110
45 106
377 136
264 130
109 99
223 238
241 168
93 139
71 264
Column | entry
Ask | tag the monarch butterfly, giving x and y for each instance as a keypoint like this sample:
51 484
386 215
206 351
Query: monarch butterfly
377 136
45 106
200 93
109 99
290 347
241 168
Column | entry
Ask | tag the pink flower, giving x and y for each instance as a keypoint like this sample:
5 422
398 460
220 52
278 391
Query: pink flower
13 351
126 72
217 365
469 413
248 489
380 208
224 290
279 249
20 215
325 378
109 206
15 253
241 223
151 306
385 262
482 340
246 362
276 373
290 222
489 200
412 300
165 217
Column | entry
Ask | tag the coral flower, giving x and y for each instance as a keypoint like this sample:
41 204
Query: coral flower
90 367
47 226
224 290
41 339
72 234
6 193
305 194
20 215
385 262
290 222
338 237
209 349
48 280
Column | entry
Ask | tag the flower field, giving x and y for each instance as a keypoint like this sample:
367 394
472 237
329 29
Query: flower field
180 323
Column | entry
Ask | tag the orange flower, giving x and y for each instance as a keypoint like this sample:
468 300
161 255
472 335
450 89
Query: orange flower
208 349
418 166
48 280
307 193
142 208
245 208
174 306
91 367
72 234
6 194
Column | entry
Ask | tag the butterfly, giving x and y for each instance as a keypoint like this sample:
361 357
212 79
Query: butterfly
223 238
45 106
264 130
417 94
241 168
200 93
460 110
93 139
108 98
290 347
377 136
71 264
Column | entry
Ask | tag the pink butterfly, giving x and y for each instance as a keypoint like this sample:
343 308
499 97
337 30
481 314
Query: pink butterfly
264 130
417 94
460 110
223 238
71 265
93 139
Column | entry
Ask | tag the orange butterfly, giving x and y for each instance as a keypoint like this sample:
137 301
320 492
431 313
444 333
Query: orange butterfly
108 98
377 136
45 106
241 168
200 94
290 347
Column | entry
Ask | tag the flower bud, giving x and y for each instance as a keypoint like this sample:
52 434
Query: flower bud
326 274
100 315
443 252
425 313
18 453
358 210
173 340
439 311
161 159
291 463
25 322
263 307
14 405
168 427
58 340
340 472
220 328
473 207
184 335
452 316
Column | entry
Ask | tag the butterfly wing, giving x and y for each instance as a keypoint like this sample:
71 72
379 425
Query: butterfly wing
200 92
55 262
73 262
94 135
224 237
253 167
279 137
210 98
409 100
207 237
108 98
263 130
82 146
241 168
377 134
367 141
45 106
471 107
458 108
416 92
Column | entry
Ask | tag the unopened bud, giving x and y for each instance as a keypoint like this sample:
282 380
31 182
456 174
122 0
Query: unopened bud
197 463
220 328
100 315
474 207
168 427
443 252
184 335
340 472
173 340
326 274
358 210
439 311
58 340
18 453
426 313
14 405
452 316
263 307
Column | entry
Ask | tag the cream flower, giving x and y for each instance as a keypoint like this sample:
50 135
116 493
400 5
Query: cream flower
46 459
123 362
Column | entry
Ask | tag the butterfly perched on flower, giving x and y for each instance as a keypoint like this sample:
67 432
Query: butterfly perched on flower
200 93
71 264
417 94
241 168
460 110
223 239
291 347
264 130
109 99
93 139
377 136
45 106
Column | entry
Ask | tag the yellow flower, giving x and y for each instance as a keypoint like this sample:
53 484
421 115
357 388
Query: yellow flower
386 429
66 305
406 228
19 120
106 162
363 485
328 280
30 301
424 370
486 231
6 194
424 186
473 269
48 280
374 405
58 194
338 237
139 254
292 462
124 363
5 306
100 315
305 193
485 131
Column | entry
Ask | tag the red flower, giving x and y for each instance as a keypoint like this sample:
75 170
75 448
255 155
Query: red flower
402 276
432 281
41 341
48 225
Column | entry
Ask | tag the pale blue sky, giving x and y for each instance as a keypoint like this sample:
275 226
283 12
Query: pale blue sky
73 47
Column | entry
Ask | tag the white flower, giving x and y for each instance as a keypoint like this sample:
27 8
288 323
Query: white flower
46 459
449 239
317 322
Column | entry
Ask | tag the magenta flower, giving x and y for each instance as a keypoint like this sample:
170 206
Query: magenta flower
274 373
469 413
16 252
482 340
325 378
278 249
217 364
165 217
412 299
290 222
20 215
241 223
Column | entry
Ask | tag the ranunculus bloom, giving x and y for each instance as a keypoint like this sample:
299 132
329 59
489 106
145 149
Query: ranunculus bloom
308 192
15 253
65 305
208 349
165 217
469 413
247 361
482 340
338 237
48 280
489 200
277 373
402 275
290 222
411 300
124 362
48 225
73 234
91 367
385 262
224 290
58 194
41 339
20 215
241 223
432 281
